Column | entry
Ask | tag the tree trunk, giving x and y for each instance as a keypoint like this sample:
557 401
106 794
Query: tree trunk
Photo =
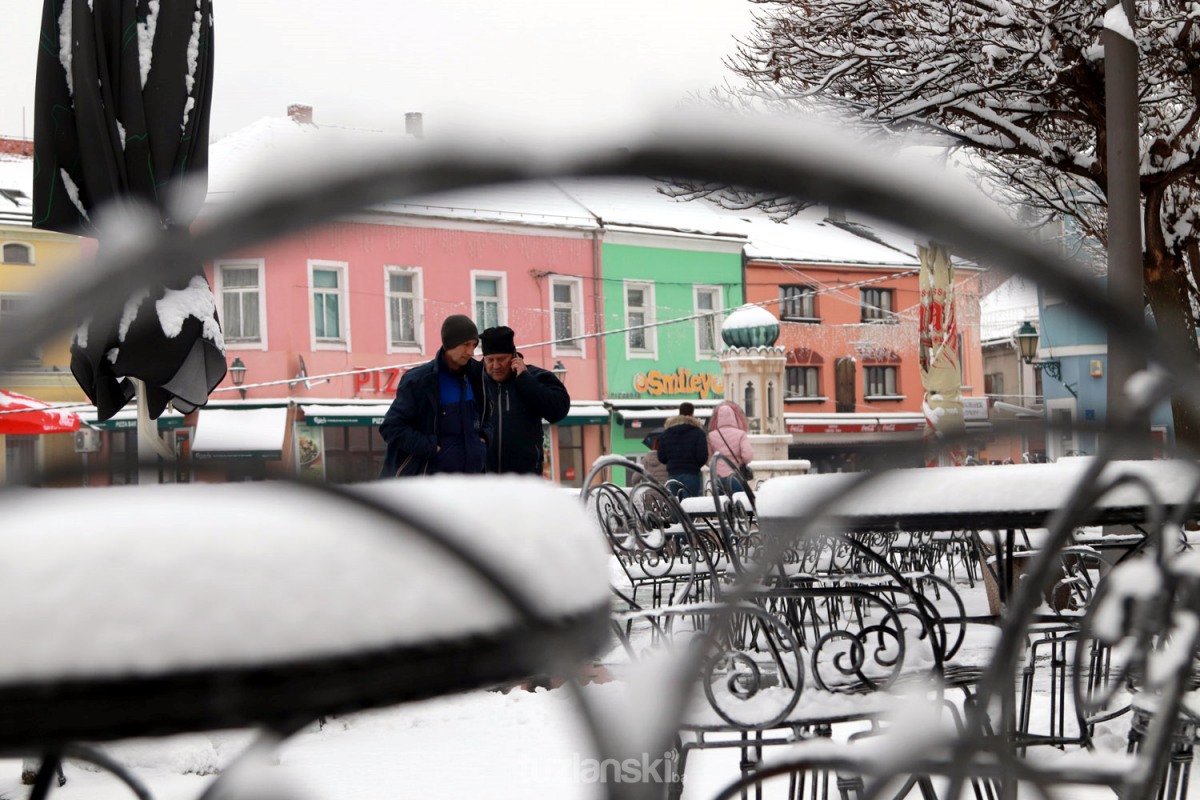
1167 294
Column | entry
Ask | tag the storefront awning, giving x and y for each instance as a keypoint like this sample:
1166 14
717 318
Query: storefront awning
586 414
126 420
344 415
251 433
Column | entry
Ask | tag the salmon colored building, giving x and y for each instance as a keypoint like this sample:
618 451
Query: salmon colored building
849 314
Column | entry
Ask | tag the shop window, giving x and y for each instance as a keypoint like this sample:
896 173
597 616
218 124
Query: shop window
798 303
878 305
993 384
20 457
122 457
570 455
353 453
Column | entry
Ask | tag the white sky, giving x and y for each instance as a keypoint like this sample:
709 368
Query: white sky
532 62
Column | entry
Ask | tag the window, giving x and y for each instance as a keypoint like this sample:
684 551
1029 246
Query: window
797 302
331 324
122 457
353 453
11 304
803 382
877 305
20 456
881 381
639 314
566 304
241 302
993 383
487 291
16 253
404 308
708 302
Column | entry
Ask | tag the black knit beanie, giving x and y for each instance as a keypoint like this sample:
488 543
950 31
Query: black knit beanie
498 340
458 329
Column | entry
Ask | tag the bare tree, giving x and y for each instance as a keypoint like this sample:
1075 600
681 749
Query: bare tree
1019 83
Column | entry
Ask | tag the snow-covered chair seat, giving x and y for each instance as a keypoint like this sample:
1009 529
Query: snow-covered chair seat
146 610
665 558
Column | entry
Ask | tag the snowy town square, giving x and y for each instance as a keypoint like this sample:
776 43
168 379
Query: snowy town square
672 400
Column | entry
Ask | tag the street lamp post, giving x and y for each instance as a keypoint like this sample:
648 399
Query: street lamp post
1027 344
237 374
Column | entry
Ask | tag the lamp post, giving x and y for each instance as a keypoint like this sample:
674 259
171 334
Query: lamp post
1027 344
237 374
560 370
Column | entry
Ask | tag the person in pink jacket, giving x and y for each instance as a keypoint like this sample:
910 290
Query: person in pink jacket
728 435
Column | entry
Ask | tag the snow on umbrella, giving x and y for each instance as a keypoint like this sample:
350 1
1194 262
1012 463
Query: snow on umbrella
121 116
21 415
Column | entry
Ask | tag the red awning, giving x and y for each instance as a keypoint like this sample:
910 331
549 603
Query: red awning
25 415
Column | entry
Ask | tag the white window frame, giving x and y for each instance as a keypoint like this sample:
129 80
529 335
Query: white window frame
651 332
718 305
343 290
418 277
578 346
29 248
219 293
501 279
36 356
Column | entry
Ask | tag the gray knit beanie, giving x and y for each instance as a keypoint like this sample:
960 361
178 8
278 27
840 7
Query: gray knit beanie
458 329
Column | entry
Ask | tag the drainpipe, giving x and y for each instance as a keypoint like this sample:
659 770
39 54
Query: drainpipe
598 312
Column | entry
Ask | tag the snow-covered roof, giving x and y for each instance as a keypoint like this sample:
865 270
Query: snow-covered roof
636 203
1004 308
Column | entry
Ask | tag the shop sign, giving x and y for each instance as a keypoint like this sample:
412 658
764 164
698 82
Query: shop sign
681 381
379 381
853 427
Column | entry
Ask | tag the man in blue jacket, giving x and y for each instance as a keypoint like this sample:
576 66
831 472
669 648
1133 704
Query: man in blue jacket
519 397
436 423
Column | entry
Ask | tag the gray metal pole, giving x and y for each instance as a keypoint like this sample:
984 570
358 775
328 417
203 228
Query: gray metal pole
1125 276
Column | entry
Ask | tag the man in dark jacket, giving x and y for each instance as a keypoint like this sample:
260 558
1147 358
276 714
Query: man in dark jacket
519 397
683 447
436 423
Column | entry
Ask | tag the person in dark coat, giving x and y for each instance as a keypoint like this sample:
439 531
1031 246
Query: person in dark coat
683 447
519 396
436 423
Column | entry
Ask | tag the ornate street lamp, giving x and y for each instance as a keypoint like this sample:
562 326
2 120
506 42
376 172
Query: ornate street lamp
560 370
1027 344
237 373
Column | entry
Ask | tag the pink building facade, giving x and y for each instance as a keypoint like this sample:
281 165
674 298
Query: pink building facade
351 305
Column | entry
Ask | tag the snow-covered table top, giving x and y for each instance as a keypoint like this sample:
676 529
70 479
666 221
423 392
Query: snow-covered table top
137 584
994 496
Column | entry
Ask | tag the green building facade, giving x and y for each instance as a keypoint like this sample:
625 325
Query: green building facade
668 284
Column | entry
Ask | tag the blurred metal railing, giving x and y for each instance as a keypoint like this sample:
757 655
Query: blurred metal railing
810 164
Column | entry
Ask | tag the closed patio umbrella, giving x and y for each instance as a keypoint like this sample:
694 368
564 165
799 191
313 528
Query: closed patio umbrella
121 118
21 415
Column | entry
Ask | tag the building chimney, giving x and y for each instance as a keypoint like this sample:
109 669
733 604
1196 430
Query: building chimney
300 114
414 124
